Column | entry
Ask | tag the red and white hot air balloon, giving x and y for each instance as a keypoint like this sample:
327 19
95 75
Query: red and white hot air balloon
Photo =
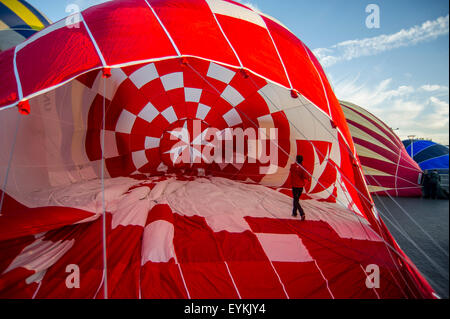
98 194
387 167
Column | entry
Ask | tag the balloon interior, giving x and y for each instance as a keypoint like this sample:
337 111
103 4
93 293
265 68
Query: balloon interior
146 154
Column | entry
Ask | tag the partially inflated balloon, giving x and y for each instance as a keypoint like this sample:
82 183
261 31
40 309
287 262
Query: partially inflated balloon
428 154
137 111
387 167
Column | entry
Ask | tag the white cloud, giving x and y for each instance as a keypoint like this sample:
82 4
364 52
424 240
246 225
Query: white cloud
351 49
433 88
415 111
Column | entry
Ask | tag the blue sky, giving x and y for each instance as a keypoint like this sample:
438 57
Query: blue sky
399 71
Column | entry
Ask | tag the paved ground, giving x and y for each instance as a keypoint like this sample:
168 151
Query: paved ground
433 217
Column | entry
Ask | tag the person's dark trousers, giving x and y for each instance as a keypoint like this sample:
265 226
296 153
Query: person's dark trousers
296 193
426 190
433 190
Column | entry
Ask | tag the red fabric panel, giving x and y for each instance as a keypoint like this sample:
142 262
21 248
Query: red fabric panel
160 212
383 166
392 137
377 137
8 89
13 285
127 31
194 240
254 47
200 36
32 221
208 280
12 248
54 58
162 281
340 259
127 240
240 246
302 280
256 280
121 165
249 266
86 253
10 205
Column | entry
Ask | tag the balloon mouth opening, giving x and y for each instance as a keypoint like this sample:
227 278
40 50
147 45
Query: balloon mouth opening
147 106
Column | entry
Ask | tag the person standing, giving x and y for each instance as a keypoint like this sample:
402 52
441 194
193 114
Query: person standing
426 184
434 184
299 178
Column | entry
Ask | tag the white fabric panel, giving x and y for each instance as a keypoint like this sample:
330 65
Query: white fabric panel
169 115
232 118
36 277
235 11
284 247
151 142
192 94
202 111
278 98
228 222
144 75
41 254
132 208
232 96
148 113
220 73
307 121
172 81
139 158
157 242
125 122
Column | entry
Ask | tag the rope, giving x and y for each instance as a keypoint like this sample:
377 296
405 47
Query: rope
105 263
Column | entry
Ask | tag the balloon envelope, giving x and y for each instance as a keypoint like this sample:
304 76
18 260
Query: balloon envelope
428 154
124 109
387 167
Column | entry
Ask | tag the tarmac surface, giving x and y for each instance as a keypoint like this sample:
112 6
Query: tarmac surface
420 227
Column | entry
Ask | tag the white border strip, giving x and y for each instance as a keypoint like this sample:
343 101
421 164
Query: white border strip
164 28
278 52
318 74
279 278
232 279
16 74
99 53
225 36
374 289
326 280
